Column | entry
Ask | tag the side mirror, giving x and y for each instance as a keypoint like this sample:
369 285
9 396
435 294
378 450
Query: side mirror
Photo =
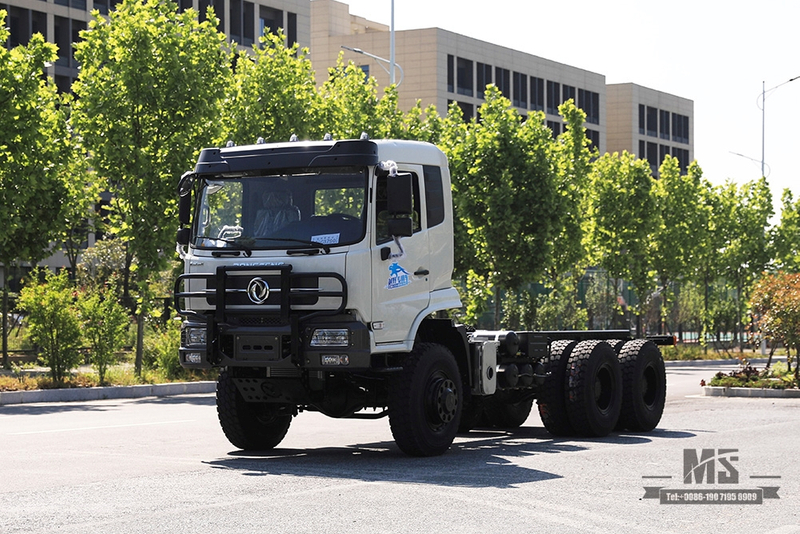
184 234
400 227
399 194
185 209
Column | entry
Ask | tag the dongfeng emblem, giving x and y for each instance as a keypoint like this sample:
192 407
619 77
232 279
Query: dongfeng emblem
258 290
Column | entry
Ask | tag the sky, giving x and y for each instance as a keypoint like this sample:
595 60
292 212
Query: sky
715 53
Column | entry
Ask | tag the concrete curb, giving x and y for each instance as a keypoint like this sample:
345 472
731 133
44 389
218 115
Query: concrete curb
103 393
712 391
722 363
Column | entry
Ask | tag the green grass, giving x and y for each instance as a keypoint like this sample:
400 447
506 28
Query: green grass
22 379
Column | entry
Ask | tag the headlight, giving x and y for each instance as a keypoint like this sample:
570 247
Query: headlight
195 336
330 337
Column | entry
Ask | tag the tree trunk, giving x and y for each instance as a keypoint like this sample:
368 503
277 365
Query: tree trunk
497 296
6 363
139 341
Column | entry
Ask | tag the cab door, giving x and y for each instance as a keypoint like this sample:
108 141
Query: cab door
400 285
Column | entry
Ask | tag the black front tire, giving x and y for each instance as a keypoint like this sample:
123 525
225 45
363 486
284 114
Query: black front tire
249 426
594 388
426 401
644 385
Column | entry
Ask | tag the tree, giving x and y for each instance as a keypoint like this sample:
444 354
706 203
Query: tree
786 235
573 160
622 218
53 321
80 209
272 95
682 219
706 267
745 213
32 148
775 301
149 93
559 307
503 193
347 103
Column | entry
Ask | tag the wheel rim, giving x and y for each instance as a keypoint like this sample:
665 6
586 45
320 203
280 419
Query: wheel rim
604 389
441 401
649 385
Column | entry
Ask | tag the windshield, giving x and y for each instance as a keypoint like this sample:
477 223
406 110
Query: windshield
289 210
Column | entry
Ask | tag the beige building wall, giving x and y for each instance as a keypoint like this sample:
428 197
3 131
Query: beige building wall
432 58
650 124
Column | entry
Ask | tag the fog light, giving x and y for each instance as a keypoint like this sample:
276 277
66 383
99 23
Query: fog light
330 337
335 359
196 336
194 357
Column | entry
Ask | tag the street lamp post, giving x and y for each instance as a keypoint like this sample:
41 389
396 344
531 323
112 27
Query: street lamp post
763 114
391 48
381 62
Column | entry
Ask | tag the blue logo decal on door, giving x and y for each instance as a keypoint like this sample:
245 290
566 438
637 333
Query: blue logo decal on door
398 277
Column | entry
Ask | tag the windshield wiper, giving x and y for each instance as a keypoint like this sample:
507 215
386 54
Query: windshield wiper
316 244
236 247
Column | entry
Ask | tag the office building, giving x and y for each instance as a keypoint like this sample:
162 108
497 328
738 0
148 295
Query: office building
440 67
650 124
61 21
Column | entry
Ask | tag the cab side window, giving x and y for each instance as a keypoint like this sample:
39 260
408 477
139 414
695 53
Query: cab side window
382 217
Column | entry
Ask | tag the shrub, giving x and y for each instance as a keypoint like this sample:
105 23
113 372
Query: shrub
105 325
161 350
53 321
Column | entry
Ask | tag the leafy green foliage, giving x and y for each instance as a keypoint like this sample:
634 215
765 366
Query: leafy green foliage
101 266
744 218
161 350
786 235
682 219
104 323
272 94
776 303
503 193
347 103
622 219
53 321
149 90
32 145
573 159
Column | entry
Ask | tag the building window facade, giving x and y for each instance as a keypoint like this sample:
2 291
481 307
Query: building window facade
652 122
537 93
464 77
484 78
553 97
569 92
451 73
503 81
589 102
680 128
520 90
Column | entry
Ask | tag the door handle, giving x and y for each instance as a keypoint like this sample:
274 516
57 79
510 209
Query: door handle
422 272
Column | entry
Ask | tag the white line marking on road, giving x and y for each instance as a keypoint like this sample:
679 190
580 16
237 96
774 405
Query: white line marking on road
85 428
